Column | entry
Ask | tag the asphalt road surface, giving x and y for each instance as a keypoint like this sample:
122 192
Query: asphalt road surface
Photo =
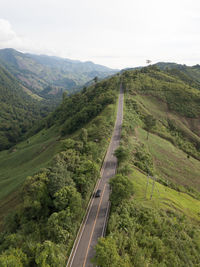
95 223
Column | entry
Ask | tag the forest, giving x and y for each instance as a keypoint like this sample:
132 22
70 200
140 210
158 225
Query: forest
53 201
19 111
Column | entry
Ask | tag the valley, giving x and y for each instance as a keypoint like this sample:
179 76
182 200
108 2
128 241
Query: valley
155 198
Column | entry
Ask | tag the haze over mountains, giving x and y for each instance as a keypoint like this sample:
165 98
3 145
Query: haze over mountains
46 75
32 85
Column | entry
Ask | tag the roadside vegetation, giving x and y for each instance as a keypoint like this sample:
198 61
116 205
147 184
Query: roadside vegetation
154 220
53 200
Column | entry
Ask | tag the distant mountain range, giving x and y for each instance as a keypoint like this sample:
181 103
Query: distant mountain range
49 76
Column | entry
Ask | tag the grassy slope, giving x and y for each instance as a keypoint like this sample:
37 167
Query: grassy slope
145 231
23 160
159 109
164 197
28 157
170 163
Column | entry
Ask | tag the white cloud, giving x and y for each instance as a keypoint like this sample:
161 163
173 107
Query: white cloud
7 35
10 39
116 33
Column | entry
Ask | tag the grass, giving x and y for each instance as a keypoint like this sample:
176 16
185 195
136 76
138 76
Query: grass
164 197
37 97
170 162
23 160
159 110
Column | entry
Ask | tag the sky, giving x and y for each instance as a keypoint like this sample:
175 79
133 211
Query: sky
114 33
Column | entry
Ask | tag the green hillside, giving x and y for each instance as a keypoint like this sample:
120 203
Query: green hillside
190 75
155 199
62 162
155 221
20 109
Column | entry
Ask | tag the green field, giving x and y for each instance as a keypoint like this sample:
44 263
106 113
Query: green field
170 162
166 150
163 197
25 159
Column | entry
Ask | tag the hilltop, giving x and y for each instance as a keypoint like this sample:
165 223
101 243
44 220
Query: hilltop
190 75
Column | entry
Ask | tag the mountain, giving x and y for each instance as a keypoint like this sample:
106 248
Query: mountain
159 160
48 76
155 197
60 157
20 109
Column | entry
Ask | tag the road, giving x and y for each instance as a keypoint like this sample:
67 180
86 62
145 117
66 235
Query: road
96 219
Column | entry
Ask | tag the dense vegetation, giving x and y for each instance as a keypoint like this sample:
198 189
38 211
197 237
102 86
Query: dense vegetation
41 231
155 223
19 110
143 236
179 103
160 138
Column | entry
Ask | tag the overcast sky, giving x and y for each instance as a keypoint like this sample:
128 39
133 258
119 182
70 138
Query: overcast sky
115 33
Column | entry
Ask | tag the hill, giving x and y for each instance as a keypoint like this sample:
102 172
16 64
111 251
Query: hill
20 109
62 161
49 76
159 161
155 198
190 75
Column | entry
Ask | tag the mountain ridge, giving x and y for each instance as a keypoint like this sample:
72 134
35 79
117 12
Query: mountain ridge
36 72
155 195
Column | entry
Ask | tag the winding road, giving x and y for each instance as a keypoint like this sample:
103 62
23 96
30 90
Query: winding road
95 223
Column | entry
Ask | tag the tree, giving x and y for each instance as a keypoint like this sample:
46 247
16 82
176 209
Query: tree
121 154
13 258
49 254
148 61
106 253
150 122
61 228
68 197
96 79
84 136
36 197
122 189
